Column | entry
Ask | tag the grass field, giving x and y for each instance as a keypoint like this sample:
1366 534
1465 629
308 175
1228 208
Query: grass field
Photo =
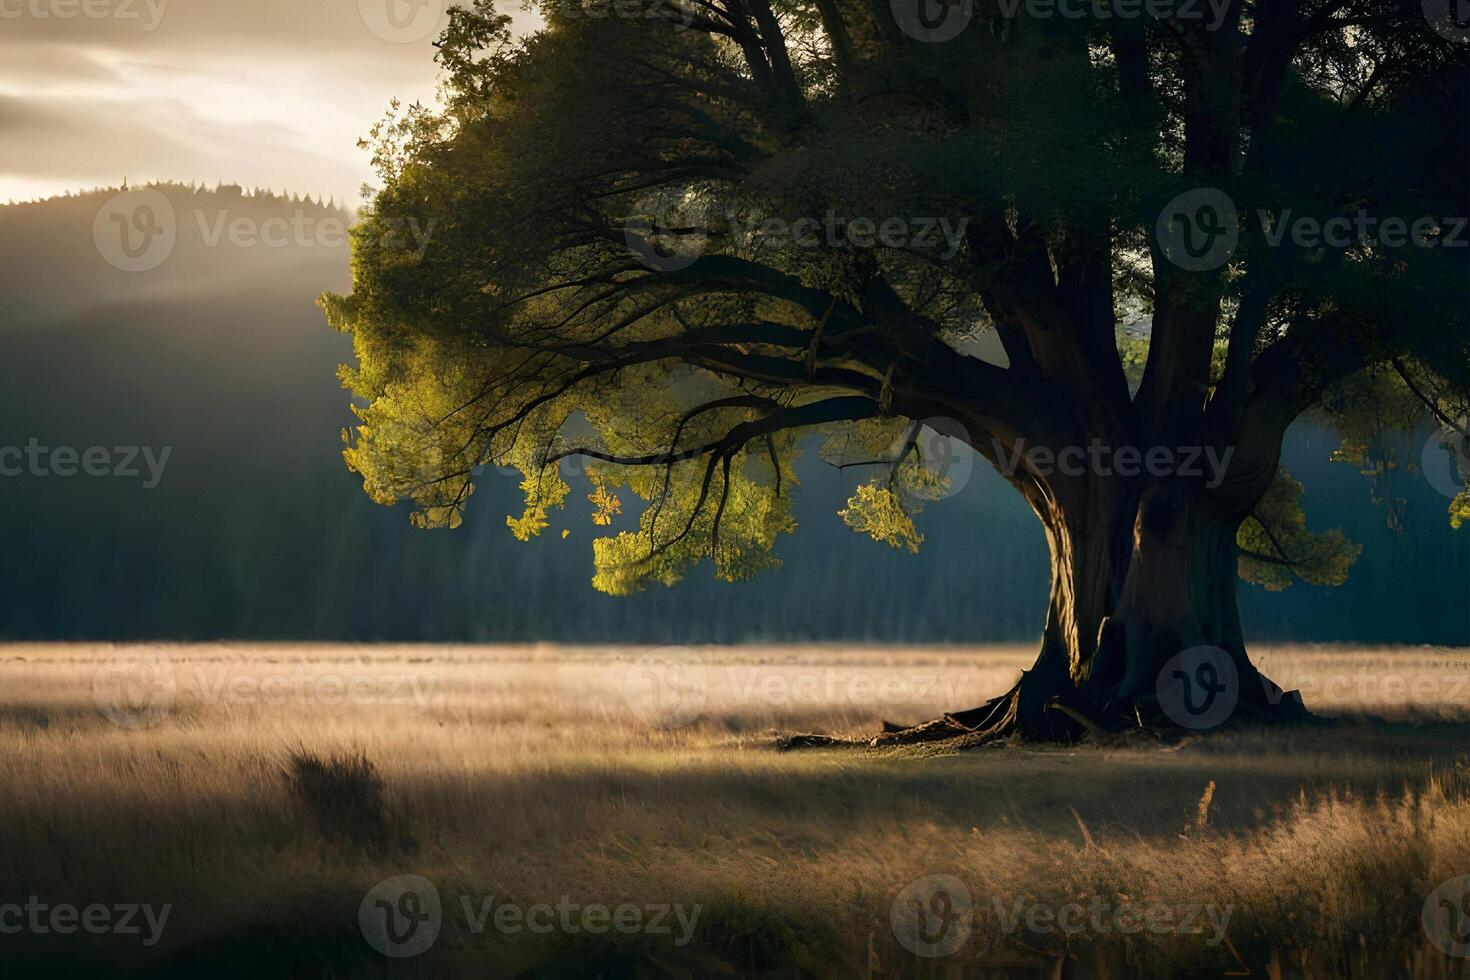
621 812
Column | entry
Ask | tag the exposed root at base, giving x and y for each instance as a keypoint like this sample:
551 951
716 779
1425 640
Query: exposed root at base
1055 721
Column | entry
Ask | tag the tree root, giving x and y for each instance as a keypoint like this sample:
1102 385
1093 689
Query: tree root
1002 718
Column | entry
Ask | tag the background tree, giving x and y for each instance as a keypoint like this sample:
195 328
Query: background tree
672 236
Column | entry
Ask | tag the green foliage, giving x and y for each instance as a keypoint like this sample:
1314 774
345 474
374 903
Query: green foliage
1276 548
1382 414
877 512
674 534
1460 510
612 273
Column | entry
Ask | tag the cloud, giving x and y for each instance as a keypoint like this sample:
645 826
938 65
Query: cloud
303 28
269 93
64 138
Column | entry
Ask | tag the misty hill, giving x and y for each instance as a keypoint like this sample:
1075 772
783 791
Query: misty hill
257 530
56 252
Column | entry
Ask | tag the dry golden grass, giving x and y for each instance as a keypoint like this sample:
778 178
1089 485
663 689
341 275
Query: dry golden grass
528 774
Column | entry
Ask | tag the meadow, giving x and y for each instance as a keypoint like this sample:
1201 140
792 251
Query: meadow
627 812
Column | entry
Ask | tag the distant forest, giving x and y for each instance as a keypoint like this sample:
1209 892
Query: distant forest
258 531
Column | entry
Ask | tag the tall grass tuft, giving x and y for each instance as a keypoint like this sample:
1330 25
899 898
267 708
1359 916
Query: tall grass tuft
344 794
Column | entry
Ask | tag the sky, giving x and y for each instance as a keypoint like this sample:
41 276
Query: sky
262 93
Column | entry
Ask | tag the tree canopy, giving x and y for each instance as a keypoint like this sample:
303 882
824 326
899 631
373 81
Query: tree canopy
673 236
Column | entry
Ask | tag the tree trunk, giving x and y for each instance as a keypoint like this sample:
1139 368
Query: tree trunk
1142 629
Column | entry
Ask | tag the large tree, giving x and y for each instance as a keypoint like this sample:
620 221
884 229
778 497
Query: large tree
673 236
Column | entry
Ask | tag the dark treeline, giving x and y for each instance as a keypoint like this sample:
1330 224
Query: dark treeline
257 530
